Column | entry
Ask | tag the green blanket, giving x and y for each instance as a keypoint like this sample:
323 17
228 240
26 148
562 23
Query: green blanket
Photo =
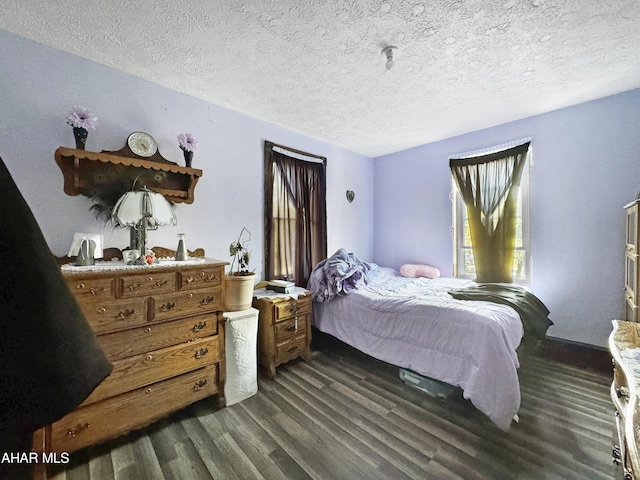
533 313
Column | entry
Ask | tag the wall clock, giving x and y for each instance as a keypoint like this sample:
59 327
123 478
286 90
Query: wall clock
142 144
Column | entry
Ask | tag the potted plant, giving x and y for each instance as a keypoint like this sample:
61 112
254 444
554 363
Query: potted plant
239 281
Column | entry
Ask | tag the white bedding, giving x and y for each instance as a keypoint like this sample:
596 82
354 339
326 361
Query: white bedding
416 324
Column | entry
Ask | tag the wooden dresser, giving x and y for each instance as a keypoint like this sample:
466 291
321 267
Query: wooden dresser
631 273
624 340
284 330
162 328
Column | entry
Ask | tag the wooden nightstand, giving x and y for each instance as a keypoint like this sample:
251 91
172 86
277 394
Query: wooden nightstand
284 330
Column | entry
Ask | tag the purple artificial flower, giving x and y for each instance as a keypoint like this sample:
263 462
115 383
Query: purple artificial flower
187 142
80 117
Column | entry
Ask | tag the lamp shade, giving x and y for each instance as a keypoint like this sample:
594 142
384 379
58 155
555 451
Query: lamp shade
134 206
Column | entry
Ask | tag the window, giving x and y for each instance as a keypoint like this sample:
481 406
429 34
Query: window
295 236
464 265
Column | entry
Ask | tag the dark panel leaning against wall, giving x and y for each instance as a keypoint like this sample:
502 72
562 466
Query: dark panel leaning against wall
50 360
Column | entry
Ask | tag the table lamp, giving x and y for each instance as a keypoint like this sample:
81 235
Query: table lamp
142 210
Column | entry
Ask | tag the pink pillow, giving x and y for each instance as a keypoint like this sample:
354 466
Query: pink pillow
415 271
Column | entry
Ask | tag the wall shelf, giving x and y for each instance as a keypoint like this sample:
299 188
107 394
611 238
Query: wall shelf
101 174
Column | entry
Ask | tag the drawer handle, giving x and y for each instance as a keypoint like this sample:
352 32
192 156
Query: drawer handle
190 295
168 306
101 309
134 287
201 353
208 299
80 285
191 280
94 291
161 283
200 384
292 349
622 392
199 326
149 357
147 330
616 455
147 391
73 432
211 278
127 313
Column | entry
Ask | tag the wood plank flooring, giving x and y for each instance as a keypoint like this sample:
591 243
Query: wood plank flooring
348 416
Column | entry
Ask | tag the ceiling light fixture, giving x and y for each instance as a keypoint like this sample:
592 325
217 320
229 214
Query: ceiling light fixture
388 52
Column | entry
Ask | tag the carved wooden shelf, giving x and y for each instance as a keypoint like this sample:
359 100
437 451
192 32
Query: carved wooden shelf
93 173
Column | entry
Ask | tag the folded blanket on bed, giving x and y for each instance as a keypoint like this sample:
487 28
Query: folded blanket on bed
340 274
533 313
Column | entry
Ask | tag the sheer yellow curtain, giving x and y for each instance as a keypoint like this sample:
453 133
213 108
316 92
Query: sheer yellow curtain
295 213
489 186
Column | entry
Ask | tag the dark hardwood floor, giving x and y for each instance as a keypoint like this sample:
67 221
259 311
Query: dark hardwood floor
348 416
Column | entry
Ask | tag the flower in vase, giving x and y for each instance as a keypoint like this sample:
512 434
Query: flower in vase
80 117
187 142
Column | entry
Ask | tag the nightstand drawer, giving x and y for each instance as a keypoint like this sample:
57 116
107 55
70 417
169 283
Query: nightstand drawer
151 283
290 327
110 315
291 307
292 347
156 365
153 336
186 303
193 279
94 423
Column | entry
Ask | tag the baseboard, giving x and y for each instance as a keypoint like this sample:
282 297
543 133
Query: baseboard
575 353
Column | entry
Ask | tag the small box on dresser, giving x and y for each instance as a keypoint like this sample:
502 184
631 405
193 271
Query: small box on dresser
624 344
163 331
284 329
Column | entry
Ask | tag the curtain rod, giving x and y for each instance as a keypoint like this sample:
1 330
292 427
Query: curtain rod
310 156
488 150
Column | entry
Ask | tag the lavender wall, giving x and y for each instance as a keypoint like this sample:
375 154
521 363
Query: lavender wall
39 85
586 167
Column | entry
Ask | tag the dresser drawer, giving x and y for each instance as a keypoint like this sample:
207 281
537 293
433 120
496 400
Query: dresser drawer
91 290
289 327
109 314
192 279
289 308
292 347
153 336
156 365
95 423
186 303
150 283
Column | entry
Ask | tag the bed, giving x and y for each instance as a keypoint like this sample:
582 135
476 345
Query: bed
415 323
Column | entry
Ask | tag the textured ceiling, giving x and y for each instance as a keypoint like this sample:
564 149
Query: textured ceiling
315 67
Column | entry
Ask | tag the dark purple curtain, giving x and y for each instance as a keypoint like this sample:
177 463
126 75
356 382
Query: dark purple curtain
295 213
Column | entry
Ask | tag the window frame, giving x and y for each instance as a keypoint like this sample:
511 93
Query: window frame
459 214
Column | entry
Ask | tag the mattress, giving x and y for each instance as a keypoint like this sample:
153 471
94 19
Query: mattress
416 324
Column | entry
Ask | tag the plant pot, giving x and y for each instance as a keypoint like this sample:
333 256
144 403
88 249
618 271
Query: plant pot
238 292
